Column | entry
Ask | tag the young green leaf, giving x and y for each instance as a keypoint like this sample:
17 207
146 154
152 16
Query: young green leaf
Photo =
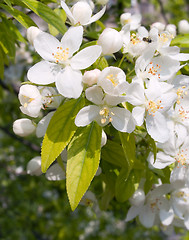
60 131
19 16
129 148
47 14
60 12
83 161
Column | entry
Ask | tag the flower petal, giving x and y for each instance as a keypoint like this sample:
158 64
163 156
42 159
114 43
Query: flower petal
95 94
122 120
86 115
43 124
45 44
85 57
138 115
147 217
96 16
55 173
43 73
166 217
68 12
69 83
72 39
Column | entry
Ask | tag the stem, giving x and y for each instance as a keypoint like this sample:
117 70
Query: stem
121 61
131 72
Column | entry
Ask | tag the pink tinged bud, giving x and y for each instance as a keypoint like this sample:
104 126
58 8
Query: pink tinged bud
23 127
138 197
91 77
110 40
34 166
183 27
32 33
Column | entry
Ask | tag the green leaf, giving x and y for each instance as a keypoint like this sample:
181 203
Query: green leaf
83 161
100 63
129 148
8 2
19 16
125 185
47 14
60 131
113 153
1 64
61 13
181 41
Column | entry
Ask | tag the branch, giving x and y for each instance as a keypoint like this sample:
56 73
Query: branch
27 143
163 11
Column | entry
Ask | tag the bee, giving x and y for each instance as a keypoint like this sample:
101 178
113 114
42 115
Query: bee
146 39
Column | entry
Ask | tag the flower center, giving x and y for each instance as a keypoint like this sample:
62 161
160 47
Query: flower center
27 101
61 55
182 157
134 39
113 79
183 114
164 37
105 115
181 92
154 69
152 107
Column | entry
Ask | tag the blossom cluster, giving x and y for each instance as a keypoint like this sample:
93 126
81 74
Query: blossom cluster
158 97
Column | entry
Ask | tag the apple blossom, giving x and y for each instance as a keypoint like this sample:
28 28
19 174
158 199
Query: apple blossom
132 20
110 40
105 111
32 33
60 66
81 13
160 26
23 127
30 99
91 77
34 166
171 28
183 27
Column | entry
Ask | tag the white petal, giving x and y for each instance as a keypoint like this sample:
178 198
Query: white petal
72 39
166 217
138 115
186 221
95 94
43 125
96 16
135 94
68 12
69 83
157 127
147 217
114 100
132 213
181 57
43 73
162 160
86 115
45 44
55 173
85 57
122 120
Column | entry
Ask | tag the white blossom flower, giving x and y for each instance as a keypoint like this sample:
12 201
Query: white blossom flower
23 127
110 40
60 66
183 26
30 99
172 29
151 104
81 13
91 77
160 26
132 20
50 97
156 207
113 81
105 111
32 33
34 166
180 203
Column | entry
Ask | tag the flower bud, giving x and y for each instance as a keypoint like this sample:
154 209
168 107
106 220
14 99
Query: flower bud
138 197
110 40
159 26
81 12
34 166
171 28
103 139
23 127
183 26
91 77
32 33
